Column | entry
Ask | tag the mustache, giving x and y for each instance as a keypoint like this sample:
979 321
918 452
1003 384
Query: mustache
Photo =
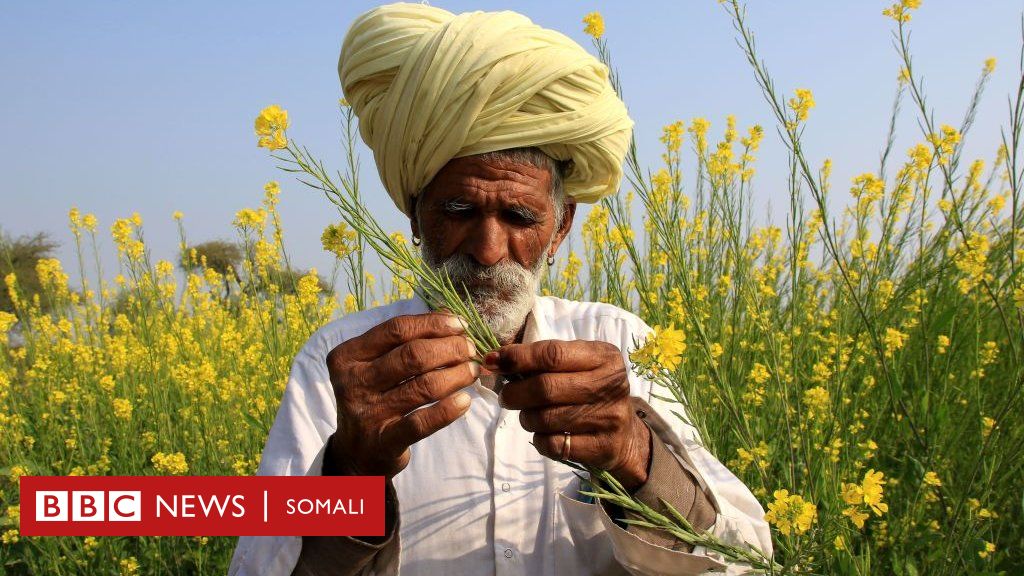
503 277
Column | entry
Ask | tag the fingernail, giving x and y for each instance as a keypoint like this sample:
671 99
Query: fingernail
491 360
474 369
457 323
461 400
472 348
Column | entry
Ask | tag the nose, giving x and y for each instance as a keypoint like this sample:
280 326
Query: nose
488 242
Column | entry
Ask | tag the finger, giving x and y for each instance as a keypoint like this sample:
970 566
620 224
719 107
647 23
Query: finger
424 422
400 329
576 418
586 449
552 388
431 387
550 356
419 357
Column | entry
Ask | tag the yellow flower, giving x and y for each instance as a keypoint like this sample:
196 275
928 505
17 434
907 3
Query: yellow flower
817 400
759 374
7 321
801 103
129 566
351 304
90 543
943 344
790 513
664 347
17 472
672 136
932 479
249 218
594 24
987 425
270 127
873 491
868 493
177 215
308 289
122 408
893 340
989 549
170 463
900 11
990 65
10 536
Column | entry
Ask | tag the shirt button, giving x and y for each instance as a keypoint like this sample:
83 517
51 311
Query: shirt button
505 487
508 552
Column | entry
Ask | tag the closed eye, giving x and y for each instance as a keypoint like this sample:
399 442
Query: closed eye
457 208
521 215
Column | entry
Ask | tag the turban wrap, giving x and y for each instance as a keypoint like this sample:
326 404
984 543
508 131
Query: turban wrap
428 86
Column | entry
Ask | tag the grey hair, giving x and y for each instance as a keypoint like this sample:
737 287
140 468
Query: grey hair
534 156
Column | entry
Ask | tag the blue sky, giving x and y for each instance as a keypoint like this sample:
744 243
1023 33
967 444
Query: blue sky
123 106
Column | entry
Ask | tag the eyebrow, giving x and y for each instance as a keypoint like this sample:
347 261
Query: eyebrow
456 204
524 213
459 205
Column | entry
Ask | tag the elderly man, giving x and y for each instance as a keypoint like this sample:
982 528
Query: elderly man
486 130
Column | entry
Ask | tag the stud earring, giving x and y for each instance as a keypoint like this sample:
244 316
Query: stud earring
551 260
416 240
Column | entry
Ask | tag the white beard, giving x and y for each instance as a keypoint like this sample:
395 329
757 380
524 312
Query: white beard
503 293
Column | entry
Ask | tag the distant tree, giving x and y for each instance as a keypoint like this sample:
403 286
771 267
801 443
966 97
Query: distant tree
287 279
220 255
20 255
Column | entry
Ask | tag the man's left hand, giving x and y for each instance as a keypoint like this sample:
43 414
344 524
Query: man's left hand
580 387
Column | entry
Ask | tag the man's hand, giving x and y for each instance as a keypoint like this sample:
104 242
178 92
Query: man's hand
578 387
381 378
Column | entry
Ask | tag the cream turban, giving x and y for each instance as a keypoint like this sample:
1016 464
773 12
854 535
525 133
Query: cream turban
428 86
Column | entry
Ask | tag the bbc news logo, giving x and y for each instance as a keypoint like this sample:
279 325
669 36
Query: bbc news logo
201 506
89 506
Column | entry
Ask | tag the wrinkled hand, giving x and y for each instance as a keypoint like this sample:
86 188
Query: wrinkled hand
382 377
578 387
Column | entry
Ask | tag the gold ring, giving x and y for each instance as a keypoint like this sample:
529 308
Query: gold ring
566 445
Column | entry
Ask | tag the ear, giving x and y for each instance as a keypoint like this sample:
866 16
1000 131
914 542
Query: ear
565 225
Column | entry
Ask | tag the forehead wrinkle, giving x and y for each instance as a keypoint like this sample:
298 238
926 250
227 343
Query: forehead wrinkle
501 192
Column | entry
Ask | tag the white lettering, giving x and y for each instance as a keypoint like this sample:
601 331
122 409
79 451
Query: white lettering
307 506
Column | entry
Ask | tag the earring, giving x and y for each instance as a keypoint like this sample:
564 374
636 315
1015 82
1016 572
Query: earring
416 240
551 260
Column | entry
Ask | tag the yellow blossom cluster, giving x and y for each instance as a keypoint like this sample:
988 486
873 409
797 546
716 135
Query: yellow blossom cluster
594 24
801 103
271 124
900 11
790 513
170 463
663 348
864 497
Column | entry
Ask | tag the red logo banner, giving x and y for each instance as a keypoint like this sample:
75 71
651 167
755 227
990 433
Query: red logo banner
202 505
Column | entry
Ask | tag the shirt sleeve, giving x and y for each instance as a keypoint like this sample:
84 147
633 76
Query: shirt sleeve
667 481
345 555
739 517
295 446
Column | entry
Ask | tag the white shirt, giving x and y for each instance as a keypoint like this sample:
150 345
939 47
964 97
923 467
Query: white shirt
476 497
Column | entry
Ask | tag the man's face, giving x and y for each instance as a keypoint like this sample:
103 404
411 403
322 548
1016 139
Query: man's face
492 225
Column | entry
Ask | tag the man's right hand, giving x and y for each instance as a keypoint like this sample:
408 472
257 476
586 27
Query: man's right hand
382 377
